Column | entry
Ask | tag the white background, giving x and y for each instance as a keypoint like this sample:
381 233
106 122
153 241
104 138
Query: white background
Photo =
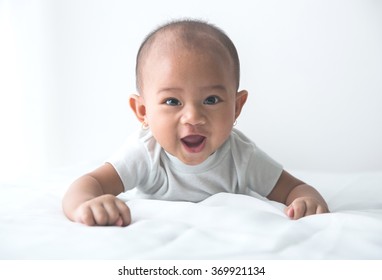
313 70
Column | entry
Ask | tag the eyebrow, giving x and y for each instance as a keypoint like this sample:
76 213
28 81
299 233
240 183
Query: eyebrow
169 89
214 88
204 88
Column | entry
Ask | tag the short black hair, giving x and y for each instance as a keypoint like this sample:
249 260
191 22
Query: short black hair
188 30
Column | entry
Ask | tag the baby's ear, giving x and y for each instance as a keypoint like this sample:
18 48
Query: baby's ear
138 107
241 98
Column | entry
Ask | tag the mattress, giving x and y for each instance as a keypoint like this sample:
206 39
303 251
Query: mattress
224 226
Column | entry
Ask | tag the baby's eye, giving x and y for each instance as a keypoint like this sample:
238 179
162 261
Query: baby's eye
211 100
172 102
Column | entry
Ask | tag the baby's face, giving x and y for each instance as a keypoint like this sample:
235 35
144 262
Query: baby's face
190 100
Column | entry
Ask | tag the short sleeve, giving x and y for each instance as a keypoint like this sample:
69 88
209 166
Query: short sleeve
263 172
257 171
131 162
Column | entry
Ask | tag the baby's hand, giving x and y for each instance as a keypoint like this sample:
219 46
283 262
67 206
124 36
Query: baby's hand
305 206
105 210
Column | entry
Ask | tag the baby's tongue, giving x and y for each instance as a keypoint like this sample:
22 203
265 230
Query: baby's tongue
193 140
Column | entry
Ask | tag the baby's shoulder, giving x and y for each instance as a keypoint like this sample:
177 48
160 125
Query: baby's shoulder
238 140
137 145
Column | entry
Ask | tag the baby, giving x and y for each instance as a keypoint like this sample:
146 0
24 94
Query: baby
187 76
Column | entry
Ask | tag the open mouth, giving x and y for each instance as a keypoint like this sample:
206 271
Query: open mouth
194 143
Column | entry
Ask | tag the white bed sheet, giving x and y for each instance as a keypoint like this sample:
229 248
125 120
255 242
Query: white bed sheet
224 226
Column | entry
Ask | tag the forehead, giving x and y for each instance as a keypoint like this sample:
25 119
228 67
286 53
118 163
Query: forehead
175 64
177 43
181 39
203 47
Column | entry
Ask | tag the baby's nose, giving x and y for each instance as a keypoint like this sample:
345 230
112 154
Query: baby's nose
193 115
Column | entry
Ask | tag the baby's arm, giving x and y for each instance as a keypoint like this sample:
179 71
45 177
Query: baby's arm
91 199
300 198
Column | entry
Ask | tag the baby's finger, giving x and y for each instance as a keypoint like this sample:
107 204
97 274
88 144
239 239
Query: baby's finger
299 209
289 211
100 215
85 216
311 208
112 212
321 209
124 212
119 222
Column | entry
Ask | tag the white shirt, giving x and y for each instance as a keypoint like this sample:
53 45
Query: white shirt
238 166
